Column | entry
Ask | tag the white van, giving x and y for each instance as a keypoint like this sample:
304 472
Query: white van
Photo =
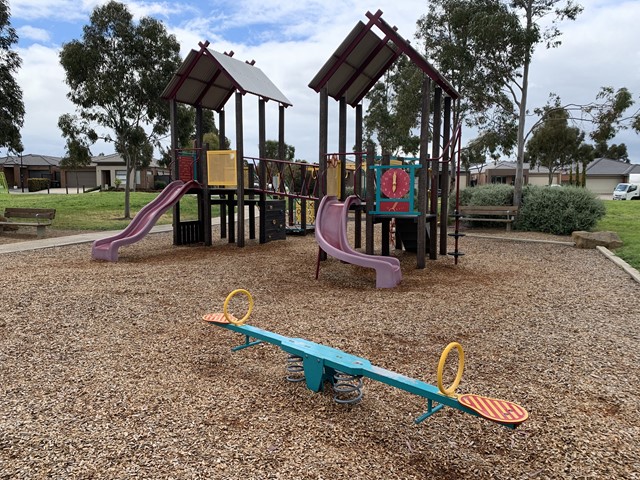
627 191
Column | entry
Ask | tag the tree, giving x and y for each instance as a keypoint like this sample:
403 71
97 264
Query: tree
604 117
489 45
77 150
11 104
534 11
116 75
476 44
272 147
394 109
554 144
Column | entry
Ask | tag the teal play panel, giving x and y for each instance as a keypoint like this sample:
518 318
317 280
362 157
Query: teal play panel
321 363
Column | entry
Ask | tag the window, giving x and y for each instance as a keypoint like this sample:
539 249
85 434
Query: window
121 175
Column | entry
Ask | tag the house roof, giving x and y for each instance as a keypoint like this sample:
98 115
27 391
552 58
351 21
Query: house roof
117 160
363 57
606 166
30 160
209 78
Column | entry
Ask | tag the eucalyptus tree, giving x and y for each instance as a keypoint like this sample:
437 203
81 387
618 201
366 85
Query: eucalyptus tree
116 73
393 111
486 47
554 144
11 103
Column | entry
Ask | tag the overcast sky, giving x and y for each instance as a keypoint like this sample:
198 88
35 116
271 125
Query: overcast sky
291 40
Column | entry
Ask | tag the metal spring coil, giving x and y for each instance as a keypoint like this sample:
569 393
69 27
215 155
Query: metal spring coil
347 388
295 369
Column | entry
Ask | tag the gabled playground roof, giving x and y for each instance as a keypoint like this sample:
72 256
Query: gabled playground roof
363 57
209 78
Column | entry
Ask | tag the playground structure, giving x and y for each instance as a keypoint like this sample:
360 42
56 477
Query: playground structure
4 187
208 79
318 364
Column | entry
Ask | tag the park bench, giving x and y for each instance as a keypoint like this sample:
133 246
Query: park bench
29 217
482 213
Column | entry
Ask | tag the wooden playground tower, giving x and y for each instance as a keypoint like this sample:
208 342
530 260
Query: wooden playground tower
349 74
208 79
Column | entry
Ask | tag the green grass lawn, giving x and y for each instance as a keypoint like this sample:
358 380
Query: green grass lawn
96 210
624 219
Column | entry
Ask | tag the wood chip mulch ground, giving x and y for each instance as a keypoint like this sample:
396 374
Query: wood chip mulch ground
107 371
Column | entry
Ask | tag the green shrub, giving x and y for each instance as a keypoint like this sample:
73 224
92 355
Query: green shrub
559 211
495 194
159 185
37 184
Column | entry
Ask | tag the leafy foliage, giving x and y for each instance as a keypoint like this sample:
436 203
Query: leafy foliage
554 144
11 104
394 110
116 75
497 194
559 211
486 47
272 150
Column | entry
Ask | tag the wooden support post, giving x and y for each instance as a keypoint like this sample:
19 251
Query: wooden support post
173 116
371 185
435 171
342 145
444 184
386 221
322 151
282 155
262 153
357 176
423 173
240 170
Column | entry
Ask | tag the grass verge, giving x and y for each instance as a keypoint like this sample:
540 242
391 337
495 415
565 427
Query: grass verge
97 210
624 219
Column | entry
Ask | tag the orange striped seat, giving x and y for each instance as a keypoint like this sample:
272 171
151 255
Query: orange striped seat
501 411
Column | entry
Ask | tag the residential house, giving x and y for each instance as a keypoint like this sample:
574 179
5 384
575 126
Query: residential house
18 169
505 172
604 174
103 170
111 169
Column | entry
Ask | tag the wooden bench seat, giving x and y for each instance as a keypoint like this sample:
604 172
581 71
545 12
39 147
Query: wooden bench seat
29 217
488 213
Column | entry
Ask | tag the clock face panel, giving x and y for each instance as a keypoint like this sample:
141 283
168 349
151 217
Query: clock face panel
394 183
394 206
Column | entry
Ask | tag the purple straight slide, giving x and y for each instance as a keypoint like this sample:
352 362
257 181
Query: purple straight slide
143 222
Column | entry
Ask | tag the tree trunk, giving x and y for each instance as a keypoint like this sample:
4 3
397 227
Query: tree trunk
522 117
127 190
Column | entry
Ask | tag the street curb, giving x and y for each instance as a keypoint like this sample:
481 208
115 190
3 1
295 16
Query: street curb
621 263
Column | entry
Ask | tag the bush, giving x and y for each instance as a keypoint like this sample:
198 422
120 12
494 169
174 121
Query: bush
37 184
559 211
159 185
496 194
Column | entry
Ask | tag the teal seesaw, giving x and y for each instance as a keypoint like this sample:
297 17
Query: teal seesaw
316 364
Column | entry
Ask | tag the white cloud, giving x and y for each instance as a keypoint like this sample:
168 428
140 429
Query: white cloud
44 91
33 33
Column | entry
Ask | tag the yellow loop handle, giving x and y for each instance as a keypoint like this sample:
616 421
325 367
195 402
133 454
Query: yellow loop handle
443 358
229 318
